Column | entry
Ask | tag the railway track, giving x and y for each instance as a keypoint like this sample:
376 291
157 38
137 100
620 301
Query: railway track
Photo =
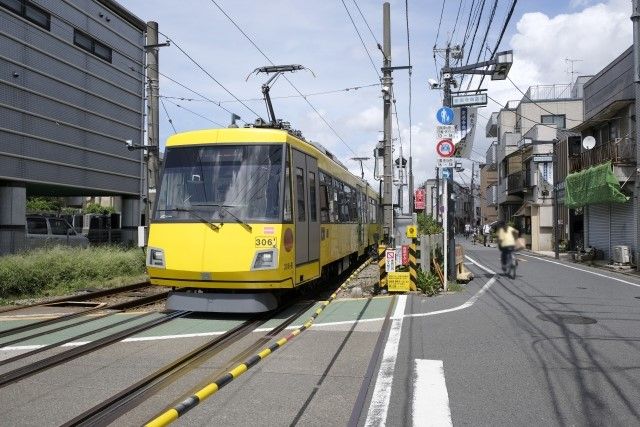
134 303
57 359
80 297
116 406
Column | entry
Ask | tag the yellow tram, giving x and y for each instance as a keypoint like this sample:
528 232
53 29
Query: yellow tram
243 214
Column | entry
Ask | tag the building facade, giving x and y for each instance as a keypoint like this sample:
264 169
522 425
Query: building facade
599 187
72 81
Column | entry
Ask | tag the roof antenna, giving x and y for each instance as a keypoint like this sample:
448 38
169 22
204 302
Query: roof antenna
277 70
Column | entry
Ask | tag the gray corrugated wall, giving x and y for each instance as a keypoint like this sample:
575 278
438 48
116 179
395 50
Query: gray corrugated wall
64 113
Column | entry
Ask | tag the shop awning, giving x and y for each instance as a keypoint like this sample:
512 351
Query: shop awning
597 184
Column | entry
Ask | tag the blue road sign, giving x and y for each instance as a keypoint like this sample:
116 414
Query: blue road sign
447 173
445 116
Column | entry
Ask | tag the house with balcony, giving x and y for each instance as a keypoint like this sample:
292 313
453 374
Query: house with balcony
526 131
602 171
489 187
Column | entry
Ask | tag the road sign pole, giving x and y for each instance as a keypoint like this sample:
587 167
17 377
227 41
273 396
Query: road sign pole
445 223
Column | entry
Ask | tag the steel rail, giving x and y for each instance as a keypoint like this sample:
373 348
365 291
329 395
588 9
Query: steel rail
116 406
57 359
81 297
140 302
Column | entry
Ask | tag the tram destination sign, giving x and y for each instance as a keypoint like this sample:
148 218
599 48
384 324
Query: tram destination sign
469 99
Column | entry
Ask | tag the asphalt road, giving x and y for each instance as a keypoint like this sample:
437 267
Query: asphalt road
556 346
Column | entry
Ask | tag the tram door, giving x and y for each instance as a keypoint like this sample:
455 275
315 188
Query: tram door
307 215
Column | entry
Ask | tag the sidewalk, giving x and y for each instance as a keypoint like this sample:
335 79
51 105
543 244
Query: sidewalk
600 264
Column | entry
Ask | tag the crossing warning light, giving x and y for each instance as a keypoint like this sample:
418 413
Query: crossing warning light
412 231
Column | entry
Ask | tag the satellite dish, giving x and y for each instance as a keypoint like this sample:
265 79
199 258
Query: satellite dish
589 142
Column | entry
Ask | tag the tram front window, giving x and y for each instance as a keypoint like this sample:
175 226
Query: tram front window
221 183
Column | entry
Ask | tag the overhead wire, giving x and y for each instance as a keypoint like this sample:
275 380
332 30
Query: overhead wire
289 81
164 107
194 113
197 64
473 39
486 34
455 25
406 14
366 22
328 92
439 24
375 69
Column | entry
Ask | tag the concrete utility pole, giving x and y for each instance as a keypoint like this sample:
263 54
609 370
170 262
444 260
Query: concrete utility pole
635 18
153 124
387 87
450 207
473 194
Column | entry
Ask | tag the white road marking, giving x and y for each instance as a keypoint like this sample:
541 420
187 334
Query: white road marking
584 271
377 415
430 397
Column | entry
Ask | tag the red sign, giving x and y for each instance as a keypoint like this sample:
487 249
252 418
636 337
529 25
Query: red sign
419 200
405 254
445 148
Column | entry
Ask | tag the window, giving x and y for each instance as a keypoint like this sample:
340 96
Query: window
29 11
36 226
91 45
300 194
324 204
312 197
58 227
287 192
558 120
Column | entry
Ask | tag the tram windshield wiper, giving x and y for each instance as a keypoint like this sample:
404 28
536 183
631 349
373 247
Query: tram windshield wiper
225 208
190 211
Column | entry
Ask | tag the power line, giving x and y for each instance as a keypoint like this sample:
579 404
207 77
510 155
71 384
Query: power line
328 92
195 113
375 69
455 25
486 33
164 107
406 14
473 39
289 81
439 24
366 22
209 74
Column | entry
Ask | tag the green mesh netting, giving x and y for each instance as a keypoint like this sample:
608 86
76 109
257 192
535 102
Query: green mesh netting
597 184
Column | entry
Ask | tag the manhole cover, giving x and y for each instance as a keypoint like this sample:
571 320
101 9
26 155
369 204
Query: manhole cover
572 319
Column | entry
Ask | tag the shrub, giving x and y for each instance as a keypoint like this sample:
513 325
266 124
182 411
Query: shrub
428 225
62 269
94 208
428 283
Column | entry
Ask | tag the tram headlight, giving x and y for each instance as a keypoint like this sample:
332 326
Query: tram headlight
155 258
264 260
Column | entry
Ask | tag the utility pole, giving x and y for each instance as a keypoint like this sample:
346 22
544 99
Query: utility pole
387 86
473 195
450 247
635 18
437 213
153 124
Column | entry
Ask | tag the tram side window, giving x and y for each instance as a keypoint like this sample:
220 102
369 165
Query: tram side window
345 200
324 204
302 214
287 193
312 197
336 198
353 206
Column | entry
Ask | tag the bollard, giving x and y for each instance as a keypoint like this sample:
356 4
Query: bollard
413 265
382 264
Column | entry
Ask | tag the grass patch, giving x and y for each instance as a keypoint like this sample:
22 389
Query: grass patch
63 270
428 283
455 287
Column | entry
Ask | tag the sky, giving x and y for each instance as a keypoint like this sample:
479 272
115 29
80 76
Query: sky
322 36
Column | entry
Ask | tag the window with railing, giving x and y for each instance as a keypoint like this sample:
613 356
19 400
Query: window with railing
559 120
619 151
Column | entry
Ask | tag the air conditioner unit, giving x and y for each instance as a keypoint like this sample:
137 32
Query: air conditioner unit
621 254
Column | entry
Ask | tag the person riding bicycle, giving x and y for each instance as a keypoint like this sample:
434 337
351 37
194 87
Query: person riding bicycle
507 236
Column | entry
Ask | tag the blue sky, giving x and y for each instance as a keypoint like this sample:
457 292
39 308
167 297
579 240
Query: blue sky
320 36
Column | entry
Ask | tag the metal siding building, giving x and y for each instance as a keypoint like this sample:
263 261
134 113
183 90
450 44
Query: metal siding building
66 111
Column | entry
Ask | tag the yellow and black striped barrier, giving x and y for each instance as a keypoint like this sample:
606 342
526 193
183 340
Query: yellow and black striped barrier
382 263
413 265
192 401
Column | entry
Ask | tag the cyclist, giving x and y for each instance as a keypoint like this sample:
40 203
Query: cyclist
507 236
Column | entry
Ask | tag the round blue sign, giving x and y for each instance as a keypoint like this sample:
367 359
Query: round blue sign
445 116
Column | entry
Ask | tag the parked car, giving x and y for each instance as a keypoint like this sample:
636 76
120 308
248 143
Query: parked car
48 231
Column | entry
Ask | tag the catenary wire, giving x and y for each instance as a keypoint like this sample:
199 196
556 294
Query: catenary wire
197 64
375 69
366 22
289 81
164 107
194 113
455 25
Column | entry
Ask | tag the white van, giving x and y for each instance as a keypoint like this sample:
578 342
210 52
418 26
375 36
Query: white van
47 231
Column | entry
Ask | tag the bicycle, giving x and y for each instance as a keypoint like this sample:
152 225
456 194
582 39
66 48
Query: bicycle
509 267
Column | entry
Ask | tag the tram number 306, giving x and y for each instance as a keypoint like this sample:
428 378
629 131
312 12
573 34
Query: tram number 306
266 242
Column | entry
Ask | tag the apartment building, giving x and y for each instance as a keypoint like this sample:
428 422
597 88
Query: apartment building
525 133
599 188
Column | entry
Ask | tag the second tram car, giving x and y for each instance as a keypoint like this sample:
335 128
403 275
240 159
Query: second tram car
244 214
